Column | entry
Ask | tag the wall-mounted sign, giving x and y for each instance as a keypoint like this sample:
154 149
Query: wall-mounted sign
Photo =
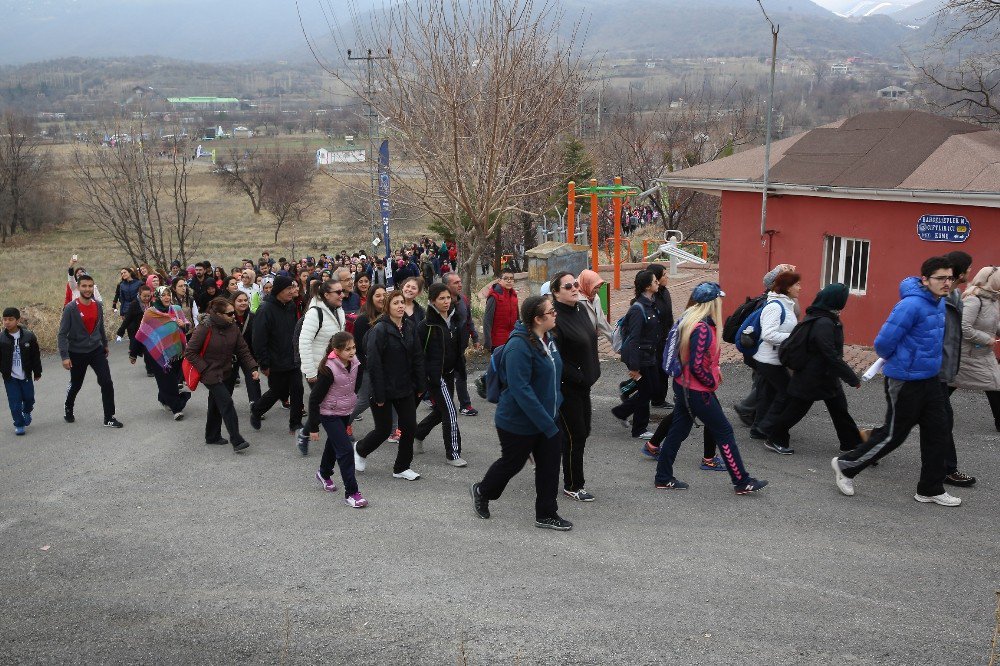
944 228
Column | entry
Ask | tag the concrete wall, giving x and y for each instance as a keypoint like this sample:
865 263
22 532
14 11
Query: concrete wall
802 222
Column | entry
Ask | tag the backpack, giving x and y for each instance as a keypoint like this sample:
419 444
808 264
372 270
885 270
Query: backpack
671 352
733 321
297 333
748 340
794 350
490 385
618 337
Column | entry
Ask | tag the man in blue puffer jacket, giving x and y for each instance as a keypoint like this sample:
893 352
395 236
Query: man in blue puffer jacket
911 342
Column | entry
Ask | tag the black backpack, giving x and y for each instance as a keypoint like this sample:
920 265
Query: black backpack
794 350
733 322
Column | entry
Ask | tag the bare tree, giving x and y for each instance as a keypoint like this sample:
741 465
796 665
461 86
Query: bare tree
285 189
22 172
138 198
243 172
476 93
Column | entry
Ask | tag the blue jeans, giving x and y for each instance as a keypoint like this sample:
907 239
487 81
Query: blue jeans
21 398
688 405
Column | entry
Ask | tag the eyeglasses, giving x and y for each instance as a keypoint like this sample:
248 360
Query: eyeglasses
549 312
570 285
231 313
509 278
943 278
336 291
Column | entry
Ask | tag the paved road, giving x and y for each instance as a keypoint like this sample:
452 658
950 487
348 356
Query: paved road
143 545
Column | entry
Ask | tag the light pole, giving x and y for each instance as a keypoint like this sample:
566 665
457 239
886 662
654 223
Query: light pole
373 135
770 113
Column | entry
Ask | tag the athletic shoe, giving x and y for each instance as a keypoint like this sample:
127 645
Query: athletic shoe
359 417
650 451
672 484
242 446
480 504
580 495
302 441
220 441
647 435
359 462
456 462
622 422
18 430
113 423
469 410
418 446
356 501
254 418
944 499
396 434
327 484
350 431
778 448
554 523
713 464
757 434
844 484
285 404
750 486
26 417
68 415
407 474
955 479
662 405
179 416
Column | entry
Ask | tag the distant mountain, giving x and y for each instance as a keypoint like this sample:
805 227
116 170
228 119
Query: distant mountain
865 7
919 13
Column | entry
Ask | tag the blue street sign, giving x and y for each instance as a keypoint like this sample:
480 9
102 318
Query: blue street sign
944 228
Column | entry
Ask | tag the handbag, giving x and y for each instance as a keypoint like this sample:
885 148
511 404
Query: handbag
191 375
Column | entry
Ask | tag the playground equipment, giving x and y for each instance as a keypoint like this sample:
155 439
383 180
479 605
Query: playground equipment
617 193
647 244
677 256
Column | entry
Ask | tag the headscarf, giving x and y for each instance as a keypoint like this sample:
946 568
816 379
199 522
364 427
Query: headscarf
149 279
986 283
832 297
158 298
590 282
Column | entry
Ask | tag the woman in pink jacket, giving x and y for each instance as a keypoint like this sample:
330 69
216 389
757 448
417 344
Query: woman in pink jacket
331 403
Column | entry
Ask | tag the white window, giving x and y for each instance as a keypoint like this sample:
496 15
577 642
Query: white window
846 260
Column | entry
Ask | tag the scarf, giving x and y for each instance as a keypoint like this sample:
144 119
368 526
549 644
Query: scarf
161 335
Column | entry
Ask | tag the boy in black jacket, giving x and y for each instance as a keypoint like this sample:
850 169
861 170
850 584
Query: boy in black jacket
20 360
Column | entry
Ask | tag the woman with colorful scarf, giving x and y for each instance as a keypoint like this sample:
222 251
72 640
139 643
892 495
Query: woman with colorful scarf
161 333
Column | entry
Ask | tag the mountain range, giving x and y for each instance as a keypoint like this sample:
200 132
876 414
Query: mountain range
246 30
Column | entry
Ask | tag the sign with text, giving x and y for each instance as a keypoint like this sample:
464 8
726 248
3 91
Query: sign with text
944 228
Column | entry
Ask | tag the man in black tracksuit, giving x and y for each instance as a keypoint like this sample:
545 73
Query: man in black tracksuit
440 338
273 348
961 262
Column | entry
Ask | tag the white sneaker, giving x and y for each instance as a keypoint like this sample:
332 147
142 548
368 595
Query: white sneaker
646 436
418 446
844 485
457 462
407 474
179 416
944 499
359 462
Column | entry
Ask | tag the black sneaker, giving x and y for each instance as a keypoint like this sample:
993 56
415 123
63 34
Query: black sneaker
672 484
469 411
554 523
242 446
778 448
750 486
68 415
960 479
302 441
220 441
480 504
113 423
254 419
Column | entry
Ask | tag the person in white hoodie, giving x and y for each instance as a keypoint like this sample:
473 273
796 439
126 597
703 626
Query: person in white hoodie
324 319
777 320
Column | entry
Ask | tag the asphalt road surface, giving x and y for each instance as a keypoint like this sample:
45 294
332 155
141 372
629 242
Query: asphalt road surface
144 545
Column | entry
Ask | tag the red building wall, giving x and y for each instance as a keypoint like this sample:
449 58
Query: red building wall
802 222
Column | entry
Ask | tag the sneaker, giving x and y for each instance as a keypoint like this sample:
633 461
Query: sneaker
778 448
622 422
944 499
359 417
480 504
356 501
407 474
359 462
179 416
647 435
672 484
750 486
113 423
418 446
68 415
26 417
580 495
285 404
650 451
254 418
713 464
302 441
456 462
662 405
242 446
394 437
327 484
18 430
220 441
844 484
350 431
953 479
554 523
757 434
469 411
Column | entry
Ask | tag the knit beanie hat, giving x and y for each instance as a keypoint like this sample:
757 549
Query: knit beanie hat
281 283
831 297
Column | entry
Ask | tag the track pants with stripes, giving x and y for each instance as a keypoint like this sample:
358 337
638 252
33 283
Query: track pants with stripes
909 404
444 412
574 421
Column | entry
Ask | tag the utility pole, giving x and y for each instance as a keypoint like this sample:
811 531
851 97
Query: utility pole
770 113
374 223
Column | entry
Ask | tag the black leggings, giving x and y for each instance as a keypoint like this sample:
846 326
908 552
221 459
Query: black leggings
406 410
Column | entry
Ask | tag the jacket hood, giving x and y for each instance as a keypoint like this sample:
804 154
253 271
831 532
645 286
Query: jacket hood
434 317
912 287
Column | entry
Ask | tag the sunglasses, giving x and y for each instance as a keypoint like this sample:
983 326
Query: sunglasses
336 291
570 285
231 313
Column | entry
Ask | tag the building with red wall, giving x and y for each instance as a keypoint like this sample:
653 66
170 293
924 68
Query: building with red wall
848 203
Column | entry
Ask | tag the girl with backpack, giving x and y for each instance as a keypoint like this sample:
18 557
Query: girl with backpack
694 354
640 335
777 319
331 401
